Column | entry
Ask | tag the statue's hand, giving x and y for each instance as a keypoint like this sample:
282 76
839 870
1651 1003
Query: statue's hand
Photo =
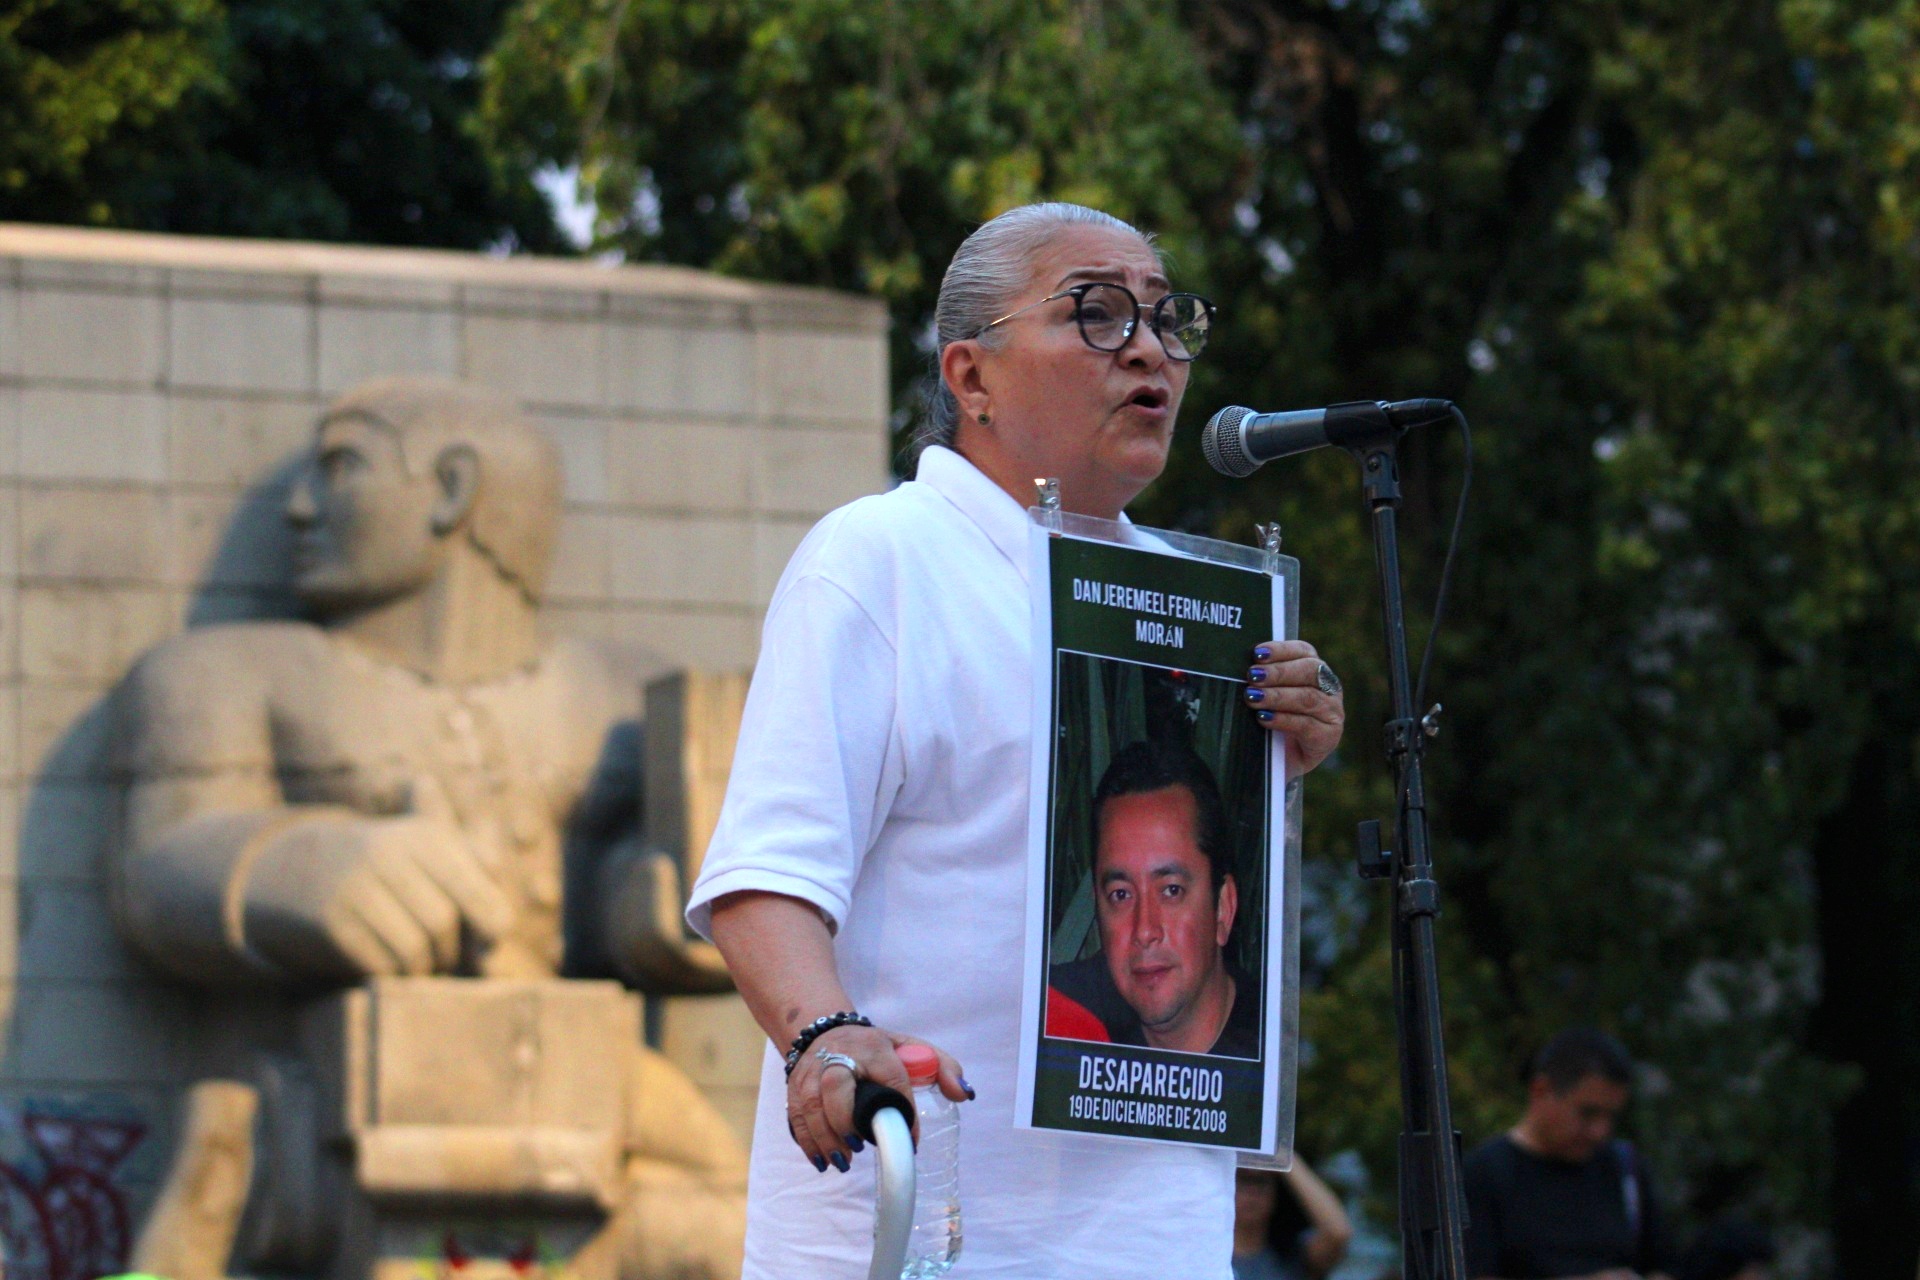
356 898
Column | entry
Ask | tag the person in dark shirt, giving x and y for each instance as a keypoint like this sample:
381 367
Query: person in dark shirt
1557 1195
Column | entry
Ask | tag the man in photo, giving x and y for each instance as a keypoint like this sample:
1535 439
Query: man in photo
1164 902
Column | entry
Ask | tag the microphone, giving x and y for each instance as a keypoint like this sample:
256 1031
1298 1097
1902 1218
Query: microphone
1237 440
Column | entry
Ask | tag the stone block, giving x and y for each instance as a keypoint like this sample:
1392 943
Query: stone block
808 471
668 636
580 303
235 441
91 337
66 934
9 630
65 830
713 1039
541 359
65 733
236 282
681 560
357 343
9 734
89 1033
694 371
80 632
9 432
91 273
451 1052
228 541
12 909
11 842
582 567
92 535
389 291
9 328
583 454
674 466
774 542
79 433
237 344
835 377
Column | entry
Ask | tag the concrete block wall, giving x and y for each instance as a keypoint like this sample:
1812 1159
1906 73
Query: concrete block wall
153 393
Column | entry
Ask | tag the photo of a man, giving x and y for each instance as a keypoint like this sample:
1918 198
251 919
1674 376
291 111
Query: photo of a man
1165 901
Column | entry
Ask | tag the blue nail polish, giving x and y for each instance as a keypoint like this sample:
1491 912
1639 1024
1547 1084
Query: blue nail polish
819 1165
967 1089
1262 654
1255 695
1265 716
840 1162
1257 674
853 1140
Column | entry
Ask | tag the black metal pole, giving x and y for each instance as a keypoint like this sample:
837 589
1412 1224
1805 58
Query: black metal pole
1432 1203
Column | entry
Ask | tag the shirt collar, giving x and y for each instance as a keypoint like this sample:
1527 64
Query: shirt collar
1004 521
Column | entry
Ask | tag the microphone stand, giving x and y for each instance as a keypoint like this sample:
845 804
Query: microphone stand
1433 1214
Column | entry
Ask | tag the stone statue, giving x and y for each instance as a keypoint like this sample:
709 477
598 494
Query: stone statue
378 803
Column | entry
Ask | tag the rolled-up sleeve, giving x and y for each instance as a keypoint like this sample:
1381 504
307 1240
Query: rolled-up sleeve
817 761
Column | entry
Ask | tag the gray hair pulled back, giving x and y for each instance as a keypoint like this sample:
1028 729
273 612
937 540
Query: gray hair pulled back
987 273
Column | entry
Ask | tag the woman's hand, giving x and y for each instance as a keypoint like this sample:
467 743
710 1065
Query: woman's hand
1288 694
820 1094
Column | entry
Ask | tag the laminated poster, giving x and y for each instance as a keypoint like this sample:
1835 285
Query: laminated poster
1153 1002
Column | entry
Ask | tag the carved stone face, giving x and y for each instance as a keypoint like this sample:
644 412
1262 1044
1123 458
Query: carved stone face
363 525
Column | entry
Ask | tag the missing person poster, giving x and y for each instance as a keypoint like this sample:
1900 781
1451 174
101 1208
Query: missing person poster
1152 1008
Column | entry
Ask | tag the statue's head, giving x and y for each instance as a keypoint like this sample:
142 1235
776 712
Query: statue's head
403 471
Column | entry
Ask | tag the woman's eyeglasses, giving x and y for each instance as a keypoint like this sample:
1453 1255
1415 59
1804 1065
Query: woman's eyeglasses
1109 313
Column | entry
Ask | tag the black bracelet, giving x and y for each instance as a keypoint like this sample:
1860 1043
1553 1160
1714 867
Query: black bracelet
817 1028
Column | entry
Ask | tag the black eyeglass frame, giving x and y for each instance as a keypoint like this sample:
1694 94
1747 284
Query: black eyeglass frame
1079 293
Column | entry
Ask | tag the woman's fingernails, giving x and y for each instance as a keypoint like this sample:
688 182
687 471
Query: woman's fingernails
1255 695
819 1165
853 1140
967 1089
1257 674
1262 654
840 1162
1265 716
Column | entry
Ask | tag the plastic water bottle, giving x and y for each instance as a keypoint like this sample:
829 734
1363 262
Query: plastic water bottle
935 1241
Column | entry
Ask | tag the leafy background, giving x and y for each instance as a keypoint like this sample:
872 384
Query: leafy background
1663 252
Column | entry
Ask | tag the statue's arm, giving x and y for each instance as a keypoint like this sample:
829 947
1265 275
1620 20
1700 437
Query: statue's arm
202 801
220 880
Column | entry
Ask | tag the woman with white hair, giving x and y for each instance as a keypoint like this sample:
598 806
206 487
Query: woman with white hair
866 881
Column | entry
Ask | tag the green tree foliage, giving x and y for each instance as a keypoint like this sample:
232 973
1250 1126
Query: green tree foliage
77 79
1664 252
317 119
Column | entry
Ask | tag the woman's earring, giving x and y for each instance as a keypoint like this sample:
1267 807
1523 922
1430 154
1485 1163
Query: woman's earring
984 419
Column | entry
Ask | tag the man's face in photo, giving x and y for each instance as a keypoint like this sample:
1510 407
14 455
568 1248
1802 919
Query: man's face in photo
1161 922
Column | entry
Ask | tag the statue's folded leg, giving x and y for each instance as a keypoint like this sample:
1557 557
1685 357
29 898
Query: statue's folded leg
684 1214
190 1232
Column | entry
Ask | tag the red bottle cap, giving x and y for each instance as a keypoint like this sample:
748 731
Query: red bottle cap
922 1063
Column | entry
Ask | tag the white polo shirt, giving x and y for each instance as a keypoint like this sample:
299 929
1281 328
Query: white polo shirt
881 775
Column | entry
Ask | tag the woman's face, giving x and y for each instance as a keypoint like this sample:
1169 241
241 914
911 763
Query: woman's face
1100 421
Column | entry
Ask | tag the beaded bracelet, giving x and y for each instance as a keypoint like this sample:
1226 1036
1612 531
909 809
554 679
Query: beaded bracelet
819 1027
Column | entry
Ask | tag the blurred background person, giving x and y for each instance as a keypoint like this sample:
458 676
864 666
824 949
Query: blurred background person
1287 1226
1557 1195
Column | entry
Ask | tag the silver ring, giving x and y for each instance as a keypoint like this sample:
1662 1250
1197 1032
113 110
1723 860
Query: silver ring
1327 682
832 1059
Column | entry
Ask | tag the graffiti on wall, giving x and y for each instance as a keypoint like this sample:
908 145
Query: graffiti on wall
64 1212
